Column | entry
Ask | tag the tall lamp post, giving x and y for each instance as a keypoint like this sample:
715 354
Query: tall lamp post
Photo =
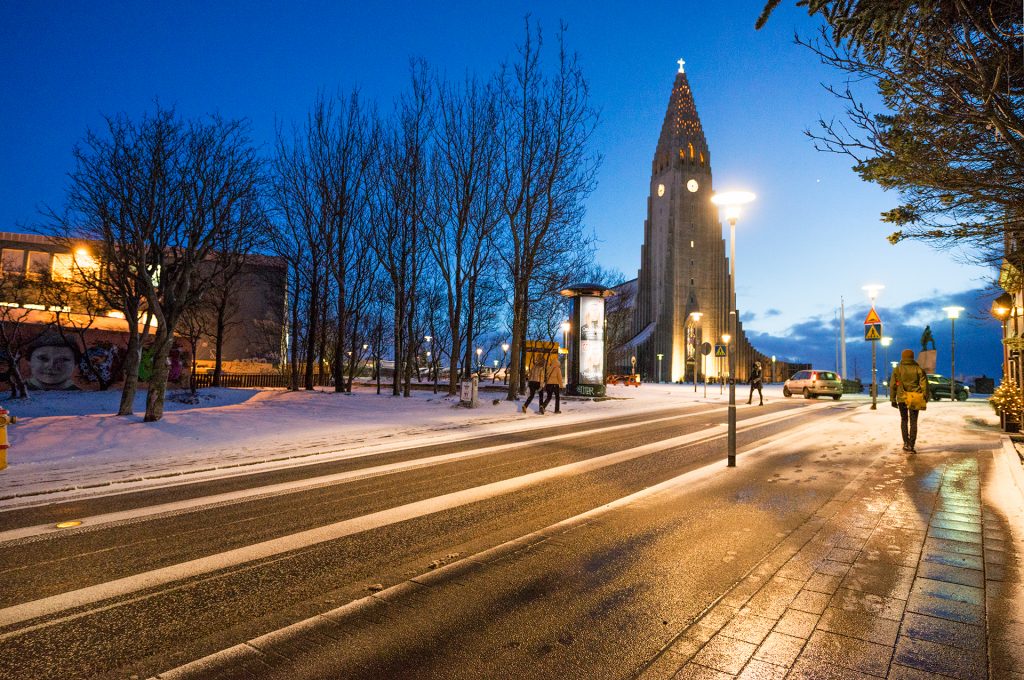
872 291
773 368
566 326
1001 310
504 357
886 341
696 350
952 313
731 203
659 366
479 358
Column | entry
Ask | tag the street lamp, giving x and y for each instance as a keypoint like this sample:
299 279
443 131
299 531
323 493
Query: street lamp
565 341
952 313
696 350
632 361
504 355
872 291
731 203
659 366
479 355
773 368
1001 310
886 341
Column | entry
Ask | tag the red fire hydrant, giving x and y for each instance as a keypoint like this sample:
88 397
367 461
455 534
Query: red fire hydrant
5 419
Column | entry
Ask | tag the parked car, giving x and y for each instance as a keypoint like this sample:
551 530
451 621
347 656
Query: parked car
814 384
938 388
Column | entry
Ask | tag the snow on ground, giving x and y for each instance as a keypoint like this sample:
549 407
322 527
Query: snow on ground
70 440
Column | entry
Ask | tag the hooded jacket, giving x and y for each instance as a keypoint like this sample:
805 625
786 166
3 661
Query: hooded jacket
553 376
537 371
908 376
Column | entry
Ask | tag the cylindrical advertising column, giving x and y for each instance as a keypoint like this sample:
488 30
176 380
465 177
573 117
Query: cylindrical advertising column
587 340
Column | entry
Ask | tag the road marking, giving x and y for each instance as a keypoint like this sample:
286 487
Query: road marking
254 649
232 558
242 495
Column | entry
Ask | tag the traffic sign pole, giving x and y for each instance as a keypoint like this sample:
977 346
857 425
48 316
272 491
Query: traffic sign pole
874 375
873 333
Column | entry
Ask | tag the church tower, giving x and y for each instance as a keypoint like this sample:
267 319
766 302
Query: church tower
683 265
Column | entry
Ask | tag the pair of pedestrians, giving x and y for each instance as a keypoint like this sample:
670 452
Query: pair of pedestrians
545 378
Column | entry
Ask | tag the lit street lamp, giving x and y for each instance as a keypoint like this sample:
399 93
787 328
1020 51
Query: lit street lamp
1001 310
731 202
659 366
696 350
504 355
952 313
872 291
773 368
479 356
565 341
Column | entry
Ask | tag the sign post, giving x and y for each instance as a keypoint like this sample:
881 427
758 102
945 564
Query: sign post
705 350
873 333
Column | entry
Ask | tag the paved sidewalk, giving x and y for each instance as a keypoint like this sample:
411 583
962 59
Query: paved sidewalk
912 571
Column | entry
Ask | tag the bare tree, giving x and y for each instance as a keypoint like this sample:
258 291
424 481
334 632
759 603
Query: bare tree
464 206
547 170
399 212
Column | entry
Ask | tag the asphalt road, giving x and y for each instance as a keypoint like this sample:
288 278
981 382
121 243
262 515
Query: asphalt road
150 592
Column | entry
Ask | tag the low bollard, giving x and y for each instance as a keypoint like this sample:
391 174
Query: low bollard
5 419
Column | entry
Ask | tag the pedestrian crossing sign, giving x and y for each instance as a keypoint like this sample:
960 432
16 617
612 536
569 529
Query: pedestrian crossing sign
873 331
719 350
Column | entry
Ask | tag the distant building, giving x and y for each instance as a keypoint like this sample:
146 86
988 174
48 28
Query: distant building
684 270
255 332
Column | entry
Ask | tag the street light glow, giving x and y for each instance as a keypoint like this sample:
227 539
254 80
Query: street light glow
726 338
886 341
504 347
565 326
953 311
872 289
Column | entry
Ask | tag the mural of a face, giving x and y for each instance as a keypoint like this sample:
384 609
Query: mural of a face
52 367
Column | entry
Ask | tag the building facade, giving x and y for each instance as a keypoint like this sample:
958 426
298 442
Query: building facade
683 291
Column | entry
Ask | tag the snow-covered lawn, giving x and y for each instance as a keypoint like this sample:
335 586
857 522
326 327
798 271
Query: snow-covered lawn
69 440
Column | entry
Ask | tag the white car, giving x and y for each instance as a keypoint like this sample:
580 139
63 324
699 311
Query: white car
814 384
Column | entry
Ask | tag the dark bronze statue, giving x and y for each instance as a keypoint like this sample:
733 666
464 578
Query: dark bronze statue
926 337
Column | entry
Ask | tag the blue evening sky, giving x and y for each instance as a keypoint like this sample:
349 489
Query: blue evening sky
812 237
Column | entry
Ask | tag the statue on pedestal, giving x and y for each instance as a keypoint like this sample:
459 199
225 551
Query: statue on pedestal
926 337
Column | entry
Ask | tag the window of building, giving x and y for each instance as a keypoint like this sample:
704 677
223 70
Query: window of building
692 282
38 263
13 261
691 244
691 149
63 266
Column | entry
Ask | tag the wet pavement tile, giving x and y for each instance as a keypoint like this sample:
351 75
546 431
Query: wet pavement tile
725 654
953 559
936 658
878 605
948 545
954 535
858 655
971 527
958 575
953 633
880 578
779 649
760 670
823 583
797 623
949 591
815 669
1014 632
957 517
664 667
749 628
692 671
1008 655
946 609
860 625
844 555
832 568
901 672
811 601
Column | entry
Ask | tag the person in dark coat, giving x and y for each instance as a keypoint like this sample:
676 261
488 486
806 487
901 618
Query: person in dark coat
535 381
908 389
756 383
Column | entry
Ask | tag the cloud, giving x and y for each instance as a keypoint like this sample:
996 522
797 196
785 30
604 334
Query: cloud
815 340
772 312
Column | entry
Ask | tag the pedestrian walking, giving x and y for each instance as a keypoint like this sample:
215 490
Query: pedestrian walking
908 389
535 380
552 385
756 383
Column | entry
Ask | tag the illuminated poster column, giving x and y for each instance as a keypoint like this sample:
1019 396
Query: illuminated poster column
586 340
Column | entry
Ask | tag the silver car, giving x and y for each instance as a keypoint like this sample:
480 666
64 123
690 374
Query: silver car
814 384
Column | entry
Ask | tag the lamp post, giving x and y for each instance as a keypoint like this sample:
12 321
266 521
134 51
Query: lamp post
773 368
952 313
696 350
722 374
731 202
428 338
886 341
1001 310
872 291
504 356
479 356
632 361
659 367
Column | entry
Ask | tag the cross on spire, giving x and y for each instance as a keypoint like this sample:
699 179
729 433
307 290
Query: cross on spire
681 63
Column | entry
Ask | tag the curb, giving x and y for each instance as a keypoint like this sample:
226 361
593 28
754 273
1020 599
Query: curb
1011 460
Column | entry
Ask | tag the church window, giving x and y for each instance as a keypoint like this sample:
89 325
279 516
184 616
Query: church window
691 244
691 149
702 158
692 282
